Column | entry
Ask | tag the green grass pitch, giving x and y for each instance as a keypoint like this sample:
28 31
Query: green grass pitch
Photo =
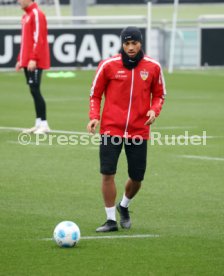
181 201
159 12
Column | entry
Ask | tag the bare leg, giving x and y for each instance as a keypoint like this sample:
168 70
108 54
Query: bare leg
109 195
131 188
109 190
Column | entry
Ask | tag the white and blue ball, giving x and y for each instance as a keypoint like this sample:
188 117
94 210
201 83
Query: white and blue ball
66 234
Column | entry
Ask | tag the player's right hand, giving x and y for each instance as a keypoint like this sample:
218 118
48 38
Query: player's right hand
17 67
91 127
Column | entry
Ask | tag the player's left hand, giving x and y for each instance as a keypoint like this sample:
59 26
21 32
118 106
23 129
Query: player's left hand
152 116
32 65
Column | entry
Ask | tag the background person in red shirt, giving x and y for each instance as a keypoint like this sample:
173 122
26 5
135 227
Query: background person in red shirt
134 90
34 57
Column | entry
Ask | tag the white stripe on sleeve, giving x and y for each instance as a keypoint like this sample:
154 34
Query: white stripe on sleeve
161 73
99 71
37 30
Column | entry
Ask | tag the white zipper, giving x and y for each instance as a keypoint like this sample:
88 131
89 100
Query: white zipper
130 102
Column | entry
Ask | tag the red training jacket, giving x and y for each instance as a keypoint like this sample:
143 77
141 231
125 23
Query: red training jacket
34 44
129 95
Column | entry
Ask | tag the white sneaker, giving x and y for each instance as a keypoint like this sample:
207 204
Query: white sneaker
30 130
42 130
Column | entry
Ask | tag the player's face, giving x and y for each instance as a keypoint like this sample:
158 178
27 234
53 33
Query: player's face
132 47
24 3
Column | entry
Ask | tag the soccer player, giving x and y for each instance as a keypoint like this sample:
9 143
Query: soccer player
134 90
33 58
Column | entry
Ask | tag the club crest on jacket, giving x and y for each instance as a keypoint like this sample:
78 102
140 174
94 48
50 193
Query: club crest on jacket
144 75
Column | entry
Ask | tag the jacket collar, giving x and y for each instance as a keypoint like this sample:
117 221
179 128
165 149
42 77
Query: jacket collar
31 7
131 63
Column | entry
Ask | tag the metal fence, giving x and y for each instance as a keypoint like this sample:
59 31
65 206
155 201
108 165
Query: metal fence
102 32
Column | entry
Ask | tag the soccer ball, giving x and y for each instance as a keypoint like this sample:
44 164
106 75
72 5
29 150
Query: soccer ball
66 234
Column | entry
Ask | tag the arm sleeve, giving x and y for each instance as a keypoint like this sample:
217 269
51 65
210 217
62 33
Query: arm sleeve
158 91
18 56
39 34
98 87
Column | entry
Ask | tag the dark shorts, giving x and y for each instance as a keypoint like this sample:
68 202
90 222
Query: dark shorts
135 150
33 78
